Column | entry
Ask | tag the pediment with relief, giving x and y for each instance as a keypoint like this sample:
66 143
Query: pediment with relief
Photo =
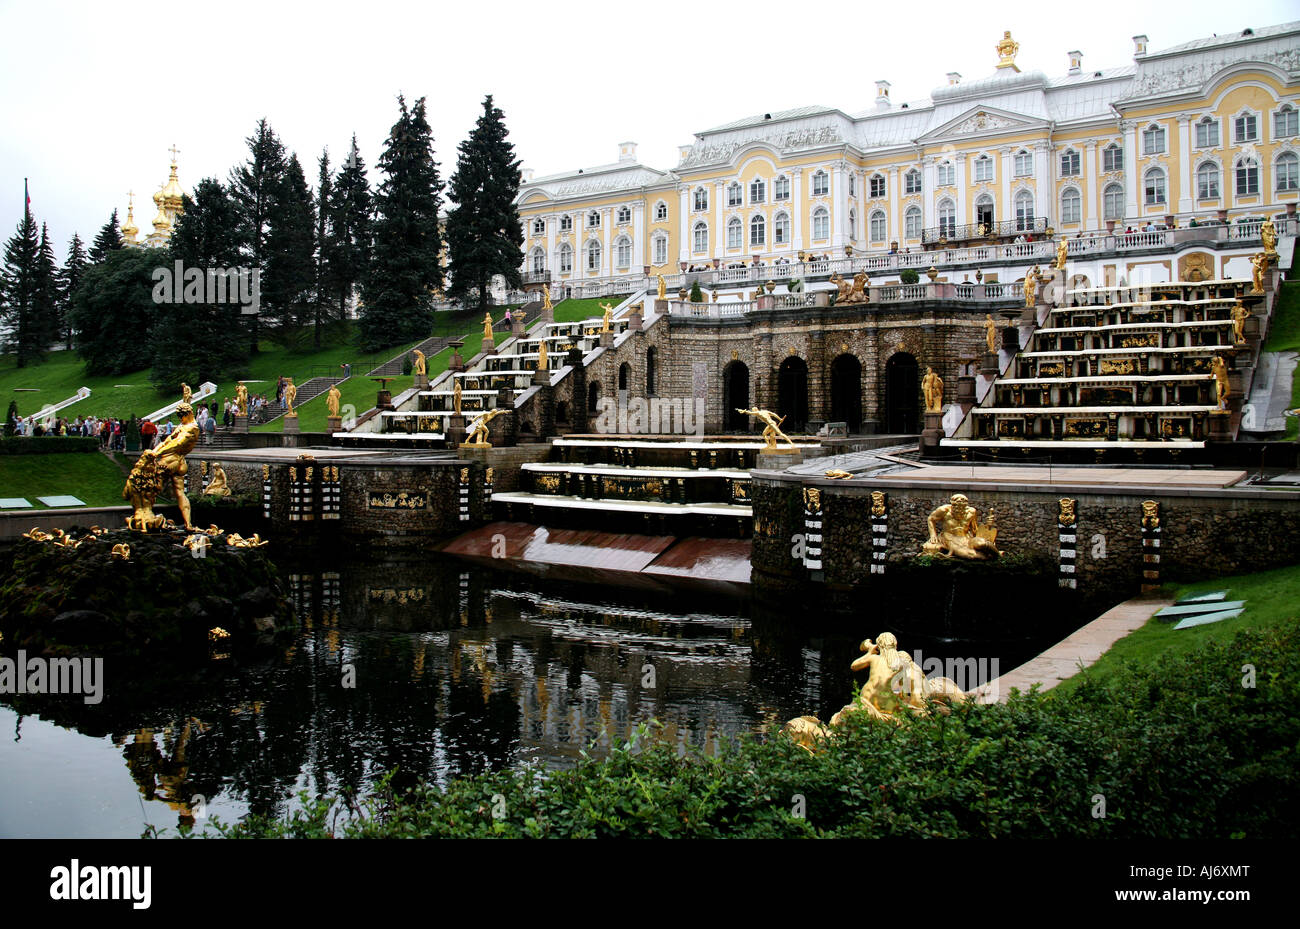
982 121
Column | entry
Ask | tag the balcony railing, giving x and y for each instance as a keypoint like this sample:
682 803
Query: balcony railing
1005 229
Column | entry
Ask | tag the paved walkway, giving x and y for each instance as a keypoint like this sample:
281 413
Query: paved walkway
1080 650
1025 474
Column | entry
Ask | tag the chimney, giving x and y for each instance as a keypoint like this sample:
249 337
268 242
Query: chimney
626 151
953 78
527 175
683 151
1076 62
882 95
1139 46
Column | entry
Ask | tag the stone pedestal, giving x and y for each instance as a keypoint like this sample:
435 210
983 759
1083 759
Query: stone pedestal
541 377
384 400
241 422
517 326
777 460
489 347
455 429
1011 337
291 423
1220 422
333 424
932 432
966 389
661 307
634 320
989 363
421 381
548 314
606 339
457 363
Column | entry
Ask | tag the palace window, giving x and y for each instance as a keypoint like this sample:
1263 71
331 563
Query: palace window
659 249
1245 128
701 199
735 232
983 169
912 182
781 188
853 185
1153 140
757 190
1247 176
877 185
879 228
1286 170
1207 181
944 174
821 224
1153 187
566 223
1112 158
853 226
539 227
1112 204
623 252
947 218
1024 211
1071 205
539 261
700 238
624 215
734 194
821 183
1070 163
593 220
593 256
1207 133
661 211
566 259
912 223
1284 122
781 229
757 232
1024 164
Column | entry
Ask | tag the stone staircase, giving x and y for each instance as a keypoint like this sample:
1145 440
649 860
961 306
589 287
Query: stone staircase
307 390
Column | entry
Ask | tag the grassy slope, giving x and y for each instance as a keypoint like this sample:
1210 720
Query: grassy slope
92 477
1285 336
1272 597
572 311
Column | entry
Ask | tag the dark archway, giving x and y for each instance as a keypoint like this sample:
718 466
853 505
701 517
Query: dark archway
735 394
593 394
562 412
792 394
650 372
902 394
846 391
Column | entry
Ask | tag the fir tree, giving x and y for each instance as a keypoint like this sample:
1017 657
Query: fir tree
484 233
48 315
406 267
324 189
288 283
108 240
347 247
113 311
20 286
74 268
252 186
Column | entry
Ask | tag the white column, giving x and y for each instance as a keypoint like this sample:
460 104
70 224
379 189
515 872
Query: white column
684 222
1184 165
717 235
796 209
1132 188
1044 184
606 256
839 206
895 231
1003 211
1090 172
552 244
640 247
962 180
927 193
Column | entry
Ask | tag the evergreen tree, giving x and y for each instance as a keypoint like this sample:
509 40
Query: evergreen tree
252 186
290 277
324 189
74 268
108 240
113 311
484 233
48 315
20 292
347 247
406 267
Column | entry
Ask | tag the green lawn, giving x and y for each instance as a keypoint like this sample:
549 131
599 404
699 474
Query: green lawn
1272 597
1284 336
90 476
572 311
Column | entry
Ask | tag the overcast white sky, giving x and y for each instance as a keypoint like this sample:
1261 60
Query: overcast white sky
93 94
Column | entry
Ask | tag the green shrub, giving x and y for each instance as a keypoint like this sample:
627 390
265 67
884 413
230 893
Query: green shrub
697 295
909 276
47 445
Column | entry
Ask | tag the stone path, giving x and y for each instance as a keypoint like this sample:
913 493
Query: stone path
1023 474
1079 650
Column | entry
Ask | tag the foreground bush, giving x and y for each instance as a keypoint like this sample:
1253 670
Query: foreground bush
1182 748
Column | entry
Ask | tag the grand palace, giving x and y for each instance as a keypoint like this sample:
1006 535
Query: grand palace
1204 131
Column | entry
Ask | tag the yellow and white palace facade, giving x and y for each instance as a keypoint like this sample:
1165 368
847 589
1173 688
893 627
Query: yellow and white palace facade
1205 131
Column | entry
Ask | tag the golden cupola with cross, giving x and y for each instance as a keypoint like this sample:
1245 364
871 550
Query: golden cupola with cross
170 201
129 229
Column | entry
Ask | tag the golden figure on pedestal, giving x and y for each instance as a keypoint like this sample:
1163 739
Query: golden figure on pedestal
1219 368
456 396
1031 287
1239 316
1062 247
606 317
186 395
663 287
1268 235
771 428
1258 264
332 401
541 356
932 388
955 532
990 335
241 398
167 461
478 433
546 298
218 486
487 327
419 366
290 395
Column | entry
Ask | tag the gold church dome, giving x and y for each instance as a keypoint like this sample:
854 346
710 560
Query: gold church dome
172 194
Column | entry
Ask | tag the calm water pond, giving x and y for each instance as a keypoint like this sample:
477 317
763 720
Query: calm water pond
453 670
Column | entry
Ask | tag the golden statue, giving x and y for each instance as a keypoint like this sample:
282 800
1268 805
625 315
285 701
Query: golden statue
878 503
1239 316
217 487
487 326
932 388
546 298
837 474
541 355
121 552
241 399
1062 247
1268 235
1007 49
1259 264
956 532
1150 514
663 287
608 315
478 433
290 395
185 392
332 400
1219 368
772 427
153 465
456 396
1031 287
990 335
1066 516
419 366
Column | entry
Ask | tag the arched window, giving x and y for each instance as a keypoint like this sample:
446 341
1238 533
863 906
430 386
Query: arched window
623 252
821 183
781 229
538 260
1245 128
593 219
912 223
700 237
624 215
566 223
1285 122
659 249
878 230
757 190
1153 187
1207 133
1070 163
947 218
566 258
1153 140
853 184
734 194
757 231
661 211
701 199
593 256
539 227
1247 176
1071 205
853 225
821 224
945 174
912 182
1287 171
781 188
1024 211
1113 202
876 185
1024 164
983 169
1112 158
735 232
1207 181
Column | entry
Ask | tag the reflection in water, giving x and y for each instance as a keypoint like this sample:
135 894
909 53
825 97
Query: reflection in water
437 670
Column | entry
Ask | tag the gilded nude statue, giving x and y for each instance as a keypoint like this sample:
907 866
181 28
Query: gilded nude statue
1219 368
166 462
990 335
955 532
771 428
932 388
